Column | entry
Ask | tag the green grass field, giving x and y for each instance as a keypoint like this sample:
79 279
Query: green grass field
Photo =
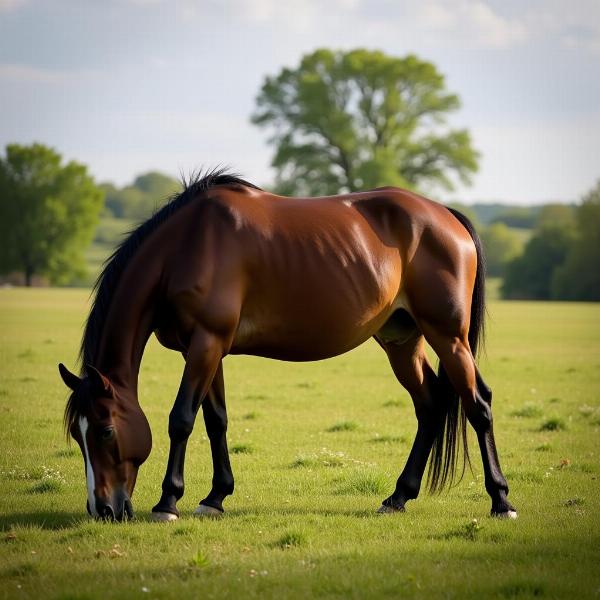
317 447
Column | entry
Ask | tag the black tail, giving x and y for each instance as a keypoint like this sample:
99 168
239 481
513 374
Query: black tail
444 454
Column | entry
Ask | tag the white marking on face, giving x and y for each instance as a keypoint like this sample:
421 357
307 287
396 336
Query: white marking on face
89 472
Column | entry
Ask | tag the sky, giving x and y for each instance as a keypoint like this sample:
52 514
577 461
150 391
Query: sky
127 86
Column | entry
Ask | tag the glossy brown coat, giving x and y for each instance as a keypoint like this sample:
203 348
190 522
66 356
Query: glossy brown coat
236 270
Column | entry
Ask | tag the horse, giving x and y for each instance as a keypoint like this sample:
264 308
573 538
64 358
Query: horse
227 268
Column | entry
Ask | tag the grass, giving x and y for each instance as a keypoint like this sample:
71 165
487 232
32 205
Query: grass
344 426
302 521
553 424
241 449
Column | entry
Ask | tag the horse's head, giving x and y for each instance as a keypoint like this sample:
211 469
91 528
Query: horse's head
114 436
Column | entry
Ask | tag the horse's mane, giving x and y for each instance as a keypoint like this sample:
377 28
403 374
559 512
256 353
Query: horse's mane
108 280
114 266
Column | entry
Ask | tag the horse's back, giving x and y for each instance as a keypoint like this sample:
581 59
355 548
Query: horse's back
306 278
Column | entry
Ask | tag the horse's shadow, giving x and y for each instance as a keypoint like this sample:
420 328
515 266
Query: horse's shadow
48 520
55 520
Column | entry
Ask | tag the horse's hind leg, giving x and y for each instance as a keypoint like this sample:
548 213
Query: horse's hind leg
215 419
457 360
412 369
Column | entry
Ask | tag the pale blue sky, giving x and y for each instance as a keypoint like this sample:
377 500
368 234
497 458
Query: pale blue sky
131 85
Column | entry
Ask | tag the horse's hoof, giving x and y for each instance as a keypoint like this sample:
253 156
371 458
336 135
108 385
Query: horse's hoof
164 517
208 511
508 514
388 510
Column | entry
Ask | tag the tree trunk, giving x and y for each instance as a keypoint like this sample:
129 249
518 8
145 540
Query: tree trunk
28 276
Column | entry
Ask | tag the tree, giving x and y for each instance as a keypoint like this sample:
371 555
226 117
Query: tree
48 212
362 119
501 245
139 200
530 275
579 277
555 214
520 217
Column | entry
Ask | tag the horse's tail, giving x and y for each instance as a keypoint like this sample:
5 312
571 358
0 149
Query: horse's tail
444 454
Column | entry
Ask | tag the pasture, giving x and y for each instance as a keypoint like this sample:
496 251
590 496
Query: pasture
315 448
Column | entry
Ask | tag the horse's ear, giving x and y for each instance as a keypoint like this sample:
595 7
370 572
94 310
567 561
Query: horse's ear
99 382
71 380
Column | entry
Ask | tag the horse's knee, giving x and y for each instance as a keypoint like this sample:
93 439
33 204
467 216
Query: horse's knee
180 426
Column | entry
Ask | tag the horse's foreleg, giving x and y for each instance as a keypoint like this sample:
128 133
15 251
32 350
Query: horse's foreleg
202 361
411 367
215 419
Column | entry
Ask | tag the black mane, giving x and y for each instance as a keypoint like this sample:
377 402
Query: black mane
116 263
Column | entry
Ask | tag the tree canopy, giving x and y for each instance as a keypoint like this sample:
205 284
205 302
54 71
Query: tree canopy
362 119
139 200
529 276
48 212
578 278
501 245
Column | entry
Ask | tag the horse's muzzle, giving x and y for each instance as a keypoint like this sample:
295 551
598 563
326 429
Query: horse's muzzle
120 510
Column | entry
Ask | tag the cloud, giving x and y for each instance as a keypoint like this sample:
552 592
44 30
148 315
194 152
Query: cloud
38 75
8 5
577 27
468 23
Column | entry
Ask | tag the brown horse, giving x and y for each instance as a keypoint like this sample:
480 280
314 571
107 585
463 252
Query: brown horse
226 268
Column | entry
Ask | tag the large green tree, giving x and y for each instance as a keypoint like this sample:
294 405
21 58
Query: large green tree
578 278
361 119
530 275
48 212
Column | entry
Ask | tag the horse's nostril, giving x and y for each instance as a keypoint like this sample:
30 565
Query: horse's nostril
128 509
87 507
106 512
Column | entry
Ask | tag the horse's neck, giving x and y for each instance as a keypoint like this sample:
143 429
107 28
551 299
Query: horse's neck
128 325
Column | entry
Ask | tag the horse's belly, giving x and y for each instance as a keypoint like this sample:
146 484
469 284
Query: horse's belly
310 334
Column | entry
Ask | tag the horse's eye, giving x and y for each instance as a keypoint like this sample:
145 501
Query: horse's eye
108 433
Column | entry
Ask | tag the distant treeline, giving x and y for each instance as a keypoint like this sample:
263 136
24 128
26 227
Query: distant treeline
548 252
51 209
139 200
